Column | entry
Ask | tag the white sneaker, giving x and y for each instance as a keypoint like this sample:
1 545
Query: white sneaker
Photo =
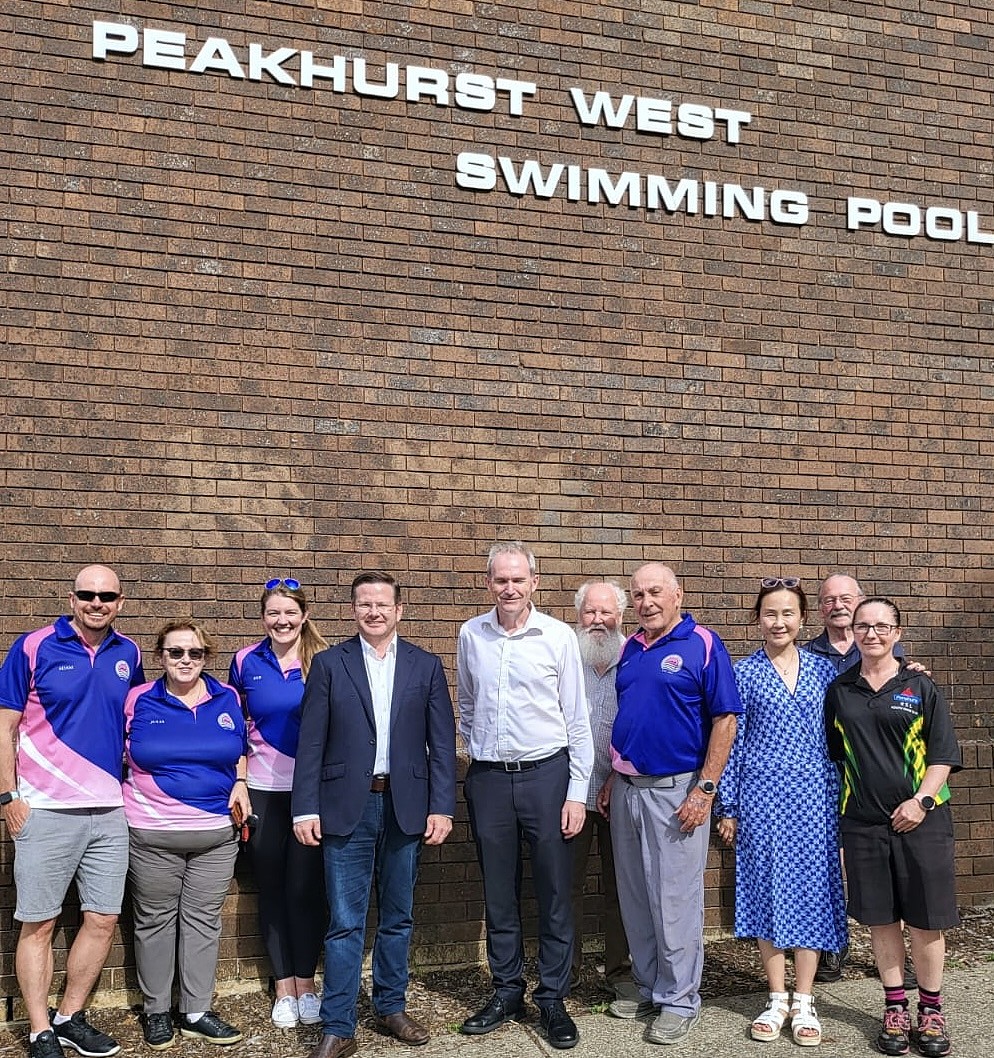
309 1009
285 1014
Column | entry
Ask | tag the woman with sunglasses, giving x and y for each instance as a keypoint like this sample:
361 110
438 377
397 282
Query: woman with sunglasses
269 676
889 727
778 802
185 798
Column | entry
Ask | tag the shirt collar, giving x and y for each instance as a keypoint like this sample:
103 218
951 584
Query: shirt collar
532 626
369 650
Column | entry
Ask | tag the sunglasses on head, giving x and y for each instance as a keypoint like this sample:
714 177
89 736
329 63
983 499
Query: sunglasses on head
89 596
283 582
176 653
781 582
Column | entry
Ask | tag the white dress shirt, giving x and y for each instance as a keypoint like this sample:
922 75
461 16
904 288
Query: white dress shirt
521 694
380 673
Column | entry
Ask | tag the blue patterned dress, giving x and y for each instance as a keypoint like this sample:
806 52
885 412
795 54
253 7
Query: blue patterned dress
784 791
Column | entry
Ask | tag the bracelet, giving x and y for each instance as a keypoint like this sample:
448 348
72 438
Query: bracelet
238 778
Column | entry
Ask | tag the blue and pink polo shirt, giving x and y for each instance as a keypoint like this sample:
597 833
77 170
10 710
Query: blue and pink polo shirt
272 701
181 759
71 734
668 695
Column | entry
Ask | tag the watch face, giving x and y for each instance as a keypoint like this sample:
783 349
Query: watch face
708 786
928 803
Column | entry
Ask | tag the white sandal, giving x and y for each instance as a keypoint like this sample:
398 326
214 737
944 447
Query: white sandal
767 1026
804 1024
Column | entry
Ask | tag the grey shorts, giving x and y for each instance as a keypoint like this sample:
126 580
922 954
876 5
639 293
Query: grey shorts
57 845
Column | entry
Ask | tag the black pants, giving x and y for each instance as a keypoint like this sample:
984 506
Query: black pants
505 807
293 908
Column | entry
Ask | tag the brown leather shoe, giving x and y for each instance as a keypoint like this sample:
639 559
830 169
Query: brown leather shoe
335 1047
403 1028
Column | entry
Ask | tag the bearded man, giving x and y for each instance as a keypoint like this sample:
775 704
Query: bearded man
600 607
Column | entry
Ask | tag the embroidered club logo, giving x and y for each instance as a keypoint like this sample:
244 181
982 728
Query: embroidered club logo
671 663
907 697
225 721
123 671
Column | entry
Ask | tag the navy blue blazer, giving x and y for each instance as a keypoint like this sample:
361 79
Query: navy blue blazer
337 745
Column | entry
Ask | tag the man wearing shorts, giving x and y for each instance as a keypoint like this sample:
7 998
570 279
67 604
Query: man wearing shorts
62 691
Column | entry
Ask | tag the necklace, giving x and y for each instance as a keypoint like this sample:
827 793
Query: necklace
785 670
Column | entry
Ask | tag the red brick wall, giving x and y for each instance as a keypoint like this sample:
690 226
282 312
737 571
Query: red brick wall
251 328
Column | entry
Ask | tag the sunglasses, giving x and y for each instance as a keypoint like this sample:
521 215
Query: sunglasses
283 582
781 582
103 596
176 653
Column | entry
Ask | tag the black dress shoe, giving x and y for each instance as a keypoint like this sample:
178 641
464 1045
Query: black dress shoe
559 1026
492 1016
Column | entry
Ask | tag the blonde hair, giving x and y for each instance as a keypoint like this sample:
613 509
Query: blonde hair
311 640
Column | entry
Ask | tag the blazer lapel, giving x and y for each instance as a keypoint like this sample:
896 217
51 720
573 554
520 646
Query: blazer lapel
401 676
356 669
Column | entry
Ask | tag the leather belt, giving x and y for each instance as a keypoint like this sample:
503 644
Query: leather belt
380 784
518 765
659 782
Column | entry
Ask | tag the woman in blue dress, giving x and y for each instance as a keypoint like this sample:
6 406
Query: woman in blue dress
778 804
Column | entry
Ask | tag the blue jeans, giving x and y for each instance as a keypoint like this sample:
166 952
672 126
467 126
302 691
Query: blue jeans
376 848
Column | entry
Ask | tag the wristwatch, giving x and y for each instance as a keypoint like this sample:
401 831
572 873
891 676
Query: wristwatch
928 803
707 786
10 795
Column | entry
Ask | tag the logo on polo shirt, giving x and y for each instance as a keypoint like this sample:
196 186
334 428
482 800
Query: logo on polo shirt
123 670
225 721
671 663
907 699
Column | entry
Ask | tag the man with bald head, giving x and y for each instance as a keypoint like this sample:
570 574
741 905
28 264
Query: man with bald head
677 704
62 691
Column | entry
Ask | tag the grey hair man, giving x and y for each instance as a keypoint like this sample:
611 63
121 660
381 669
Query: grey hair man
523 719
600 609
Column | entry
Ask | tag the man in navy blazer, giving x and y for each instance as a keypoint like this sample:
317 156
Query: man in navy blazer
375 775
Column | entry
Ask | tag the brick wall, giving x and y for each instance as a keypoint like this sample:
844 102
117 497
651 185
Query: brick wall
252 328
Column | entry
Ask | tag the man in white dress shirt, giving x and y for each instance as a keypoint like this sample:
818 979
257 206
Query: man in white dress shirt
523 718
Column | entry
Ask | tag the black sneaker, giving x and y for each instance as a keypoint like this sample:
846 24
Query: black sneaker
931 1037
210 1028
46 1046
830 966
79 1034
157 1030
894 1032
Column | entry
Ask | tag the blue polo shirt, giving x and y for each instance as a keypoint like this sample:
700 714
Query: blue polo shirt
271 699
181 760
71 697
668 695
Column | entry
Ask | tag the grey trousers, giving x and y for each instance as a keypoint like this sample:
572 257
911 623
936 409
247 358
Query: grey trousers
179 880
660 874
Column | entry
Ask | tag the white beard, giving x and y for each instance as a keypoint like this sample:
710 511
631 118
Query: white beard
599 650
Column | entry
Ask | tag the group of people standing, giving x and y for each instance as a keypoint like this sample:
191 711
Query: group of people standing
334 765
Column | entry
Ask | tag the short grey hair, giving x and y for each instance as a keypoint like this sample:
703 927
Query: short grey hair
620 596
511 547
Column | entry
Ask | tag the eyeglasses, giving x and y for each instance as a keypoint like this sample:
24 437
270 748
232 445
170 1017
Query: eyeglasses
881 629
780 582
283 582
176 653
89 596
374 607
831 600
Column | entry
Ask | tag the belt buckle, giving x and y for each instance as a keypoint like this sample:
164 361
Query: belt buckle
512 765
